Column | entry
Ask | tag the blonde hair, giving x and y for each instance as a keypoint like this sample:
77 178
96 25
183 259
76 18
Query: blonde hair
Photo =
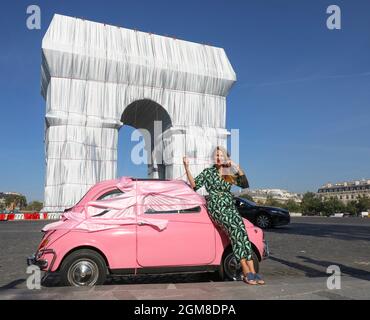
223 150
230 178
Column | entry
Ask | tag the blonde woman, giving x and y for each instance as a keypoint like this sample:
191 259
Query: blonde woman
217 180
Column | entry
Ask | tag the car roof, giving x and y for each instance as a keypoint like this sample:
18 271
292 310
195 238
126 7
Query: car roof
115 181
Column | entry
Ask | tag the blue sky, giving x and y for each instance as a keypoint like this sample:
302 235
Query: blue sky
301 101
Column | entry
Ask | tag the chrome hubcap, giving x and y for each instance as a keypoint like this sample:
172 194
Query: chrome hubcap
263 221
232 268
83 273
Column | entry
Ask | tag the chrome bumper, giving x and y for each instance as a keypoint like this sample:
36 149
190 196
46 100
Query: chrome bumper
43 264
266 250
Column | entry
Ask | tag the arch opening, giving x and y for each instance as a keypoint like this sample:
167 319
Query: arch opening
144 122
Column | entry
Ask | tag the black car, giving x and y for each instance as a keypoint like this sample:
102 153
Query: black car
262 216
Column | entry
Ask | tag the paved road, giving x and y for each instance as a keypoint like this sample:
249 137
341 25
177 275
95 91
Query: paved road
296 269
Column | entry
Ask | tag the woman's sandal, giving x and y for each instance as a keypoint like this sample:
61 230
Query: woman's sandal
259 279
250 279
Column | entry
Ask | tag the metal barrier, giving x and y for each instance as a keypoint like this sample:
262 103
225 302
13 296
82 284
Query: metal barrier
30 216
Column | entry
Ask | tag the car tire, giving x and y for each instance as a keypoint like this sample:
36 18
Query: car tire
230 269
263 221
83 267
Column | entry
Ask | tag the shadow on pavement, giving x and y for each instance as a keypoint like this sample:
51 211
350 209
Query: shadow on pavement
350 271
333 231
309 271
165 278
13 284
53 280
312 272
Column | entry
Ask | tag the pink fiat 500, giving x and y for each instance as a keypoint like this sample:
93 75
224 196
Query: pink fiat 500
133 226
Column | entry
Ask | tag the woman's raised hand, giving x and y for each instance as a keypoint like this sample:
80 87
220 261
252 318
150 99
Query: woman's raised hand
186 161
187 171
232 163
237 167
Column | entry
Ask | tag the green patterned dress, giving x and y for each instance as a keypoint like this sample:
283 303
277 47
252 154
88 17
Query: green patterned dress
222 209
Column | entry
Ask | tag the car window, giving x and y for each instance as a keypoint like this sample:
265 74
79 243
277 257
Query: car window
101 213
244 203
249 203
188 210
110 194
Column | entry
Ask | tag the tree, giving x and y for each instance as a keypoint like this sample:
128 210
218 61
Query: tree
34 206
332 205
363 204
12 201
247 196
351 207
311 204
292 206
270 201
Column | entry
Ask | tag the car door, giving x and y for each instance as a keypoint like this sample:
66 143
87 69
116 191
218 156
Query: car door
245 209
120 243
188 239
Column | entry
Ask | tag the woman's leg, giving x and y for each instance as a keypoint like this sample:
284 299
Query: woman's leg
242 247
238 235
233 225
247 252
247 266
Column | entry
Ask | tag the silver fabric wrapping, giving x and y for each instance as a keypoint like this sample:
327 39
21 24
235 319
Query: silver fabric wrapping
97 77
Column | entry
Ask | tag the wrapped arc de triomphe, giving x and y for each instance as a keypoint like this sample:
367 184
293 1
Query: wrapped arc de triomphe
97 78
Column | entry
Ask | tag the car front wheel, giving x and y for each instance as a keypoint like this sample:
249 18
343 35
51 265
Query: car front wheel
230 268
263 221
83 268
